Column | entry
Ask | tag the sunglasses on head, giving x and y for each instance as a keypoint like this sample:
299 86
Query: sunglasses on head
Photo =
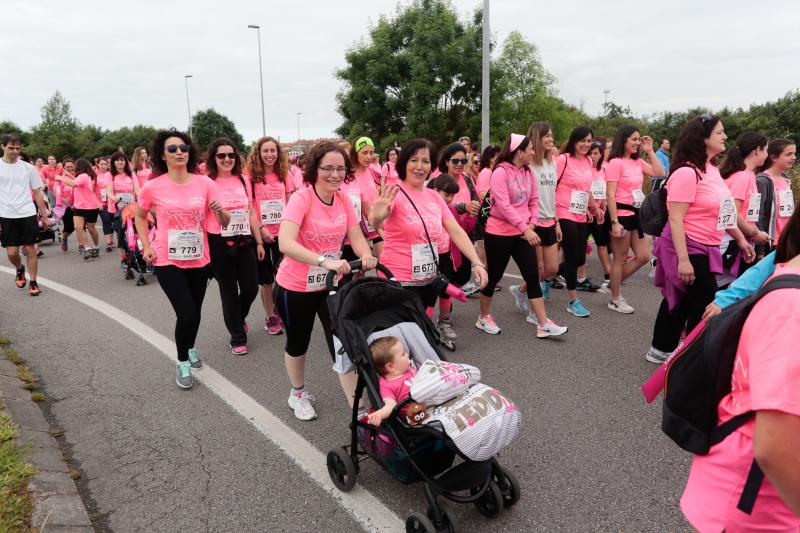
173 148
457 161
230 155
705 117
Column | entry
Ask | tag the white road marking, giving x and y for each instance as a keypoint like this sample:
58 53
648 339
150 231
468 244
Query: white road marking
362 506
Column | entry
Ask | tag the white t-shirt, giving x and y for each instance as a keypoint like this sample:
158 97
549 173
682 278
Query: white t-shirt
16 182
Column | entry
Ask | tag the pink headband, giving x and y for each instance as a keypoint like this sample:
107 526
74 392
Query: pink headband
516 140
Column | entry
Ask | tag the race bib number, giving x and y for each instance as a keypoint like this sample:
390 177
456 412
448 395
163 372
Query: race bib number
355 199
125 198
754 207
727 214
638 198
423 262
786 206
315 280
103 195
578 202
238 225
599 190
184 245
271 211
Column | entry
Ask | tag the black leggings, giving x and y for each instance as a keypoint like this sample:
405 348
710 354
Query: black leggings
105 218
186 289
573 244
297 310
237 276
499 249
69 224
269 266
689 312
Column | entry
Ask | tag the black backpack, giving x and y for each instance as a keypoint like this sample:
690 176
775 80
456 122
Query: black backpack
653 213
698 377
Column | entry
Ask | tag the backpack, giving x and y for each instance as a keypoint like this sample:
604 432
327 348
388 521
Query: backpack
698 377
653 214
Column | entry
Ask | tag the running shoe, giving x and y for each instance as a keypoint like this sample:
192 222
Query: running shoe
548 329
64 245
33 288
274 325
620 306
123 265
587 286
86 255
577 309
487 324
557 282
520 300
194 359
81 249
109 248
545 286
300 403
656 356
239 350
95 252
605 287
445 326
470 288
183 375
20 280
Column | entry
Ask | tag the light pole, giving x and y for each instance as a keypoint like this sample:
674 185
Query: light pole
485 78
188 109
298 125
261 77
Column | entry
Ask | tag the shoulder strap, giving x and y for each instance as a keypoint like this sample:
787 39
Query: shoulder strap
425 227
473 194
566 161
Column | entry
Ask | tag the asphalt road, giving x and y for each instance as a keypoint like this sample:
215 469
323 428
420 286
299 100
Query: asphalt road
591 456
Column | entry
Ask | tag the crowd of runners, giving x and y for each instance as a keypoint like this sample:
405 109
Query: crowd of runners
446 222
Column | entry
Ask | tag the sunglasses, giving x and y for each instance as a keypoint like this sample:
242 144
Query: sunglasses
231 156
457 161
705 117
173 148
476 161
596 143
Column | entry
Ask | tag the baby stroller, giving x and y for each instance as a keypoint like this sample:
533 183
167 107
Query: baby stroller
129 241
369 306
48 228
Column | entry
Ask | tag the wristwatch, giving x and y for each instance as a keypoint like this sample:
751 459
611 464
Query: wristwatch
614 221
321 259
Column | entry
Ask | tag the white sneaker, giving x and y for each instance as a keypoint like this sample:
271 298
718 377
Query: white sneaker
656 356
487 324
520 300
548 329
605 287
301 404
620 306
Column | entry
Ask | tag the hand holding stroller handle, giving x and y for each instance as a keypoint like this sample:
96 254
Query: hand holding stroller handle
355 266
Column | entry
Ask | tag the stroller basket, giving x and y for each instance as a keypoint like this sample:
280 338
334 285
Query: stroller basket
431 455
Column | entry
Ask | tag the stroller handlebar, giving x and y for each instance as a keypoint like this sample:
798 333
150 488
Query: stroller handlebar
355 266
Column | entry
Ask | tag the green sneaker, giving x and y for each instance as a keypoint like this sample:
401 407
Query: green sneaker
194 359
183 375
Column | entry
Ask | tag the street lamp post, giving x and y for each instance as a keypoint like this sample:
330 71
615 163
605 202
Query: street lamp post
485 78
298 125
261 77
188 109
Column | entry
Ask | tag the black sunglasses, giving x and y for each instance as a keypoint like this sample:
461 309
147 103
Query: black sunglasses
705 117
173 148
223 156
457 161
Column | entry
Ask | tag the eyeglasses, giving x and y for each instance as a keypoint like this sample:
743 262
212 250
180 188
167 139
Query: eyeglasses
231 156
342 171
173 148
457 161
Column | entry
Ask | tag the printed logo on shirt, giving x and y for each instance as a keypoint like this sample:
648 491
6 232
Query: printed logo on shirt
196 200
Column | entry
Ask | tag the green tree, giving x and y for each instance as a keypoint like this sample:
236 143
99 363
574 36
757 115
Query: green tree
6 126
208 124
127 139
59 133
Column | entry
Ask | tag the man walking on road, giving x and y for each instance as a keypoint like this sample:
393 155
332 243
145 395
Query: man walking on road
18 223
663 155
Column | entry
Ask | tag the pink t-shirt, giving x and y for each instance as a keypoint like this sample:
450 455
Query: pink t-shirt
629 175
64 194
103 181
782 215
84 193
406 252
297 175
704 196
323 228
353 192
515 200
389 172
765 377
463 195
369 190
181 211
573 186
123 190
483 181
235 200
742 185
398 389
271 197
144 174
49 173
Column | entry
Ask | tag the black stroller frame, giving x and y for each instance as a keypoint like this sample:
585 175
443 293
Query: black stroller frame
134 262
357 309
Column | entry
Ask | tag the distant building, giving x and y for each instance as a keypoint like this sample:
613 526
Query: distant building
303 146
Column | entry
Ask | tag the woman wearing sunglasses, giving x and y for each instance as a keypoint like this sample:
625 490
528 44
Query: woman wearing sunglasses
183 203
234 247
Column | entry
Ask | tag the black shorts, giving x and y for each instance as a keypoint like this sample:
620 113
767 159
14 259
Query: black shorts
630 223
17 232
601 233
547 235
298 311
425 293
89 215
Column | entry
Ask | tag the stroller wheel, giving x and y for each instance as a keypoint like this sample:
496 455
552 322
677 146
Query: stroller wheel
508 485
128 274
451 526
342 469
419 523
491 503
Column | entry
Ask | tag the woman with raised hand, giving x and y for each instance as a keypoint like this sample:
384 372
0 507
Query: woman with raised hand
624 177
236 247
273 184
313 228
510 233
773 183
701 210
86 206
183 203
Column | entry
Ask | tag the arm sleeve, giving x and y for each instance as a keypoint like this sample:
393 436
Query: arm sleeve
748 283
501 204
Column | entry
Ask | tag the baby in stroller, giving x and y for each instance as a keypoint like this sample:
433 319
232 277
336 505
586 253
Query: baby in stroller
396 370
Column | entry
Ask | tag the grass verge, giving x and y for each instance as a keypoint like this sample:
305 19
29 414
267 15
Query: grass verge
15 501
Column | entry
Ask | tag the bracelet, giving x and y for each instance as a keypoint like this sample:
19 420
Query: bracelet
259 244
476 265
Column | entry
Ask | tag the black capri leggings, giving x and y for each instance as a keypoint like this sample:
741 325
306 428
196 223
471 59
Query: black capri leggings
186 289
105 218
269 266
499 249
237 277
573 244
689 312
297 310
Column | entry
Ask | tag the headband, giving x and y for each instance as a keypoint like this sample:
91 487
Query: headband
516 140
361 142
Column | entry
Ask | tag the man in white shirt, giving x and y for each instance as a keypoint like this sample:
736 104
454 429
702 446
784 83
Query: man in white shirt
20 184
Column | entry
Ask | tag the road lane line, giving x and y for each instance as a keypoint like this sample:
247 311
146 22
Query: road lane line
362 506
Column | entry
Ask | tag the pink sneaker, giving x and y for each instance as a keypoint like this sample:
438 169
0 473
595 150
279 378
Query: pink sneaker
487 324
274 325
239 350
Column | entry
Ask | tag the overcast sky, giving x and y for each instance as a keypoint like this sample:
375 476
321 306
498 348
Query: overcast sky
123 63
